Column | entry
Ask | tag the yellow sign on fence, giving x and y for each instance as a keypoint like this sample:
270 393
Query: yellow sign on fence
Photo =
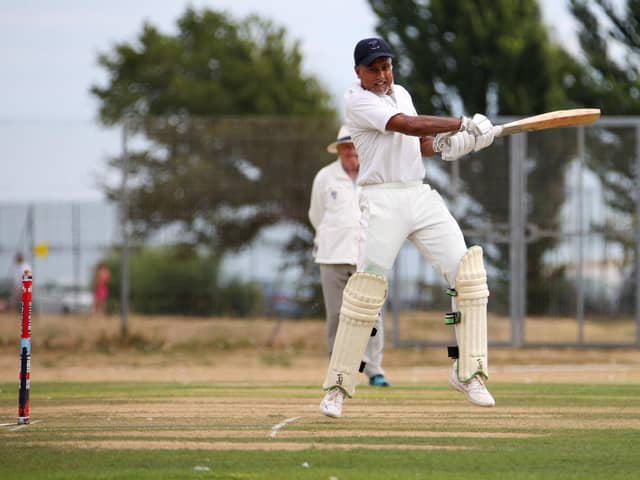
41 249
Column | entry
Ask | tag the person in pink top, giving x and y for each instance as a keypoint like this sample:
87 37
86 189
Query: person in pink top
101 288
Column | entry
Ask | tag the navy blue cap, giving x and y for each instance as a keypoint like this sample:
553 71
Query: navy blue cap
369 49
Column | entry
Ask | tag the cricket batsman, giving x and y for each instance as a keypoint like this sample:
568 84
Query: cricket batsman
391 140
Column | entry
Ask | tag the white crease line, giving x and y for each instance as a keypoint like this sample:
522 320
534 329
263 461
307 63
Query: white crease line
20 427
275 428
7 424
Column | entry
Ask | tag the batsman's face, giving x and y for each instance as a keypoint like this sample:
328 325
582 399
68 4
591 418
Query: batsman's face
376 77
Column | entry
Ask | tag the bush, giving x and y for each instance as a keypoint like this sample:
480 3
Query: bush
178 281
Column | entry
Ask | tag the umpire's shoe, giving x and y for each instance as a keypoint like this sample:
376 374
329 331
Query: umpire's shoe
379 381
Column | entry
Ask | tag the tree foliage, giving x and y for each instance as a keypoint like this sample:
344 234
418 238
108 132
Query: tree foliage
490 56
494 57
610 46
212 65
234 129
176 280
610 43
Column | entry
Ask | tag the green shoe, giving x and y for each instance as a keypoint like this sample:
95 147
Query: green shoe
378 381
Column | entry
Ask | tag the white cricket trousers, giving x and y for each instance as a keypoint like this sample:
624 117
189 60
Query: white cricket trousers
393 212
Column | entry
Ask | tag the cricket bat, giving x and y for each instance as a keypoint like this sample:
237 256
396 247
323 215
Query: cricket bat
558 118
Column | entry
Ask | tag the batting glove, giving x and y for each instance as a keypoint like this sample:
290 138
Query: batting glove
454 146
466 124
481 128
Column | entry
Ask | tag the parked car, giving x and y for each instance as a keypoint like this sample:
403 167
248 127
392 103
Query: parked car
62 299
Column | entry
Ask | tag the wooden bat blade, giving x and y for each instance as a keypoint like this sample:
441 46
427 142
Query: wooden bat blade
558 118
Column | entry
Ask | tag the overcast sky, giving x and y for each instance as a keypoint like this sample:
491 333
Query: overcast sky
52 148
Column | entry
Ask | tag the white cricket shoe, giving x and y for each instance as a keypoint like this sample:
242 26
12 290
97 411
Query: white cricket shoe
474 390
331 404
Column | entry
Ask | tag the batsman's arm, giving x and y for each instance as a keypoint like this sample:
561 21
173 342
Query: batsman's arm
426 146
422 125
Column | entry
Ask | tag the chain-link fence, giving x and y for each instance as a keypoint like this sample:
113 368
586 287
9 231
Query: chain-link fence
62 242
561 239
556 213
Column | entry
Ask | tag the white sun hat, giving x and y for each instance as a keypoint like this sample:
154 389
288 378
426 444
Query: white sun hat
343 137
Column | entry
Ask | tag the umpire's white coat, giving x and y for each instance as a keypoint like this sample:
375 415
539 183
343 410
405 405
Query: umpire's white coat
334 214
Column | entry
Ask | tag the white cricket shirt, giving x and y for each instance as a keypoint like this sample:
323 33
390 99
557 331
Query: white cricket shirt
384 156
335 215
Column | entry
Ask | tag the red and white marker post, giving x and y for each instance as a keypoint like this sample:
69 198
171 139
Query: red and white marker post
26 311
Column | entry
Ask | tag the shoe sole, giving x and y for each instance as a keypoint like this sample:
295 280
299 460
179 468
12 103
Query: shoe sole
455 386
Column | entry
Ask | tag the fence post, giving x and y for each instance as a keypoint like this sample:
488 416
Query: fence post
395 300
580 294
76 247
637 233
124 229
30 230
517 245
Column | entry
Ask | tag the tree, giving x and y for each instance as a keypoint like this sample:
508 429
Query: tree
492 56
173 280
234 129
612 80
610 43
474 56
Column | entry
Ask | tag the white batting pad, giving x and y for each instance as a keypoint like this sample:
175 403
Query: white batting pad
362 301
471 302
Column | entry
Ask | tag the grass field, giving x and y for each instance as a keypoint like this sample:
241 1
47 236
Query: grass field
158 431
224 399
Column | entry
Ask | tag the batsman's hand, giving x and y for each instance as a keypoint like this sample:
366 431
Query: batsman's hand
481 128
454 146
